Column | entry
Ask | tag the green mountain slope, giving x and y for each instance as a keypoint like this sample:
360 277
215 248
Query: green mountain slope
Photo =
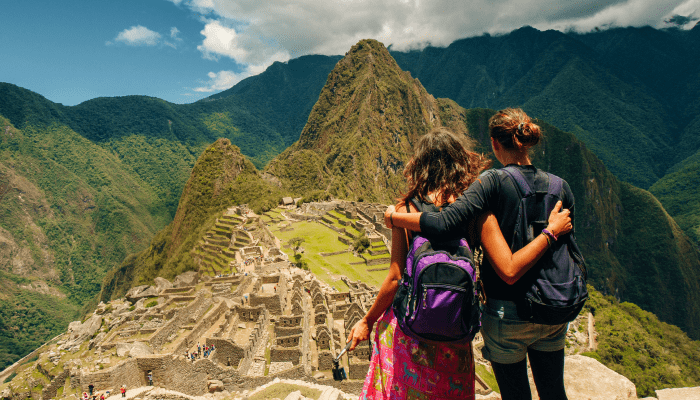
72 210
221 177
284 94
679 192
633 342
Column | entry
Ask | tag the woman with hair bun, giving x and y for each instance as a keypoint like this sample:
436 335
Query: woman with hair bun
509 339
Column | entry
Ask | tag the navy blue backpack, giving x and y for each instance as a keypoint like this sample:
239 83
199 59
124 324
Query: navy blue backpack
557 291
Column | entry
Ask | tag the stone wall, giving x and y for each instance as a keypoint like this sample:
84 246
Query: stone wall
287 321
337 296
227 352
282 354
201 327
161 336
378 261
270 279
281 331
325 360
249 314
288 341
125 373
50 391
358 369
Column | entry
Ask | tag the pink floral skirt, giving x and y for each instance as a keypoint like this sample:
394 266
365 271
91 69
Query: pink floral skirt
404 368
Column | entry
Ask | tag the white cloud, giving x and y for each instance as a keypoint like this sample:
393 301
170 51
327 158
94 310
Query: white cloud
138 36
250 31
256 33
173 35
221 81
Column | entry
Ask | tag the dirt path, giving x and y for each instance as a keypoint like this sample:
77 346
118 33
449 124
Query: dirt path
592 342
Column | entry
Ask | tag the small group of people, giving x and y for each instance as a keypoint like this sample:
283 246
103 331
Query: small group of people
92 395
202 352
480 205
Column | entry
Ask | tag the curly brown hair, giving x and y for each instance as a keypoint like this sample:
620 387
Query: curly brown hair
442 161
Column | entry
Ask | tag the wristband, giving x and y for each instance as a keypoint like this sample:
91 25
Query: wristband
391 218
550 234
549 241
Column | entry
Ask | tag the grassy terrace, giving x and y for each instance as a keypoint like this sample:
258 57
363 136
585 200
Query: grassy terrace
320 239
275 213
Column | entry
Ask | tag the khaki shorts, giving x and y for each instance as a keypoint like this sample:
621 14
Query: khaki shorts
507 337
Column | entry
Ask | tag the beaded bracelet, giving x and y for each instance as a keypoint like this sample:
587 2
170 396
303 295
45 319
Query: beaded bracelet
549 234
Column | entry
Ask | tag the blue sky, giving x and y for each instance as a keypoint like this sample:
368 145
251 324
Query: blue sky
181 51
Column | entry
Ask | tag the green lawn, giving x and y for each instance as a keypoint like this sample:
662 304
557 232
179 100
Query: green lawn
281 390
320 239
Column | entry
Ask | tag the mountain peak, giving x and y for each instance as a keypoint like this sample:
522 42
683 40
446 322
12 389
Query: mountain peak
362 128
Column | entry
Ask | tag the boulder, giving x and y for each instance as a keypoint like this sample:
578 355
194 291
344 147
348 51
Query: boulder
6 394
162 284
330 393
215 386
80 332
97 340
587 379
141 292
690 393
294 396
189 278
135 349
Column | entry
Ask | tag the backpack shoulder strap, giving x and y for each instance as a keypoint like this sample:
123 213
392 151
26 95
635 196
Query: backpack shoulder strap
519 180
556 185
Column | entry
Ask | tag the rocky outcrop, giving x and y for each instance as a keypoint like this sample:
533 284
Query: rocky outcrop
189 278
587 379
162 284
679 394
134 349
79 332
141 292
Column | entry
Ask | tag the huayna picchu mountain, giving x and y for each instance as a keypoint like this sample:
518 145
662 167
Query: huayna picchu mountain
360 133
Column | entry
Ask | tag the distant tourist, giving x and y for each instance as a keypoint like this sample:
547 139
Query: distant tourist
91 387
440 170
123 390
509 336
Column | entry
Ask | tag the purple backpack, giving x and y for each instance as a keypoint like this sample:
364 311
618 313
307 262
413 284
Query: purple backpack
437 298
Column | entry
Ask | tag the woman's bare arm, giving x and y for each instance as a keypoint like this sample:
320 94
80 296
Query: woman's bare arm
399 249
511 267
